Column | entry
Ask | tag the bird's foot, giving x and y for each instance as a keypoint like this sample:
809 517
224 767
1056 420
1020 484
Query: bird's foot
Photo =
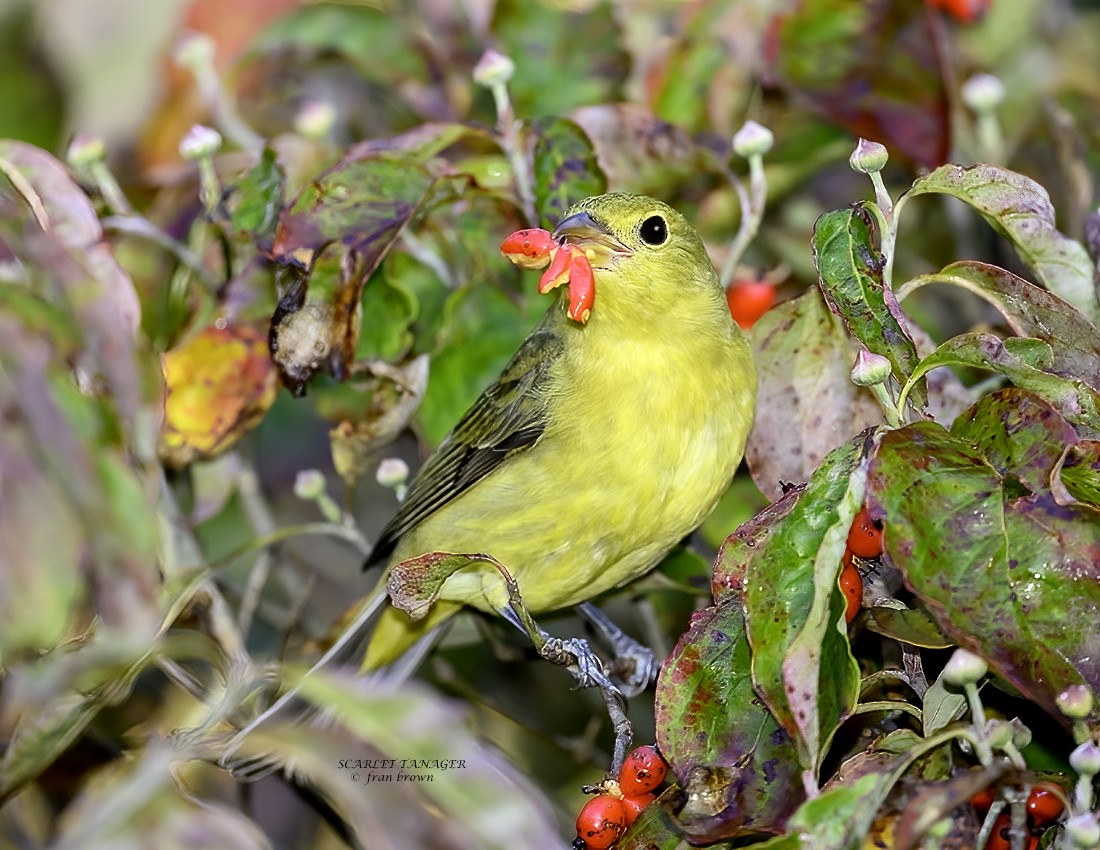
576 656
633 666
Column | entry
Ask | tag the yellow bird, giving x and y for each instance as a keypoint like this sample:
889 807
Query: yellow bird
601 444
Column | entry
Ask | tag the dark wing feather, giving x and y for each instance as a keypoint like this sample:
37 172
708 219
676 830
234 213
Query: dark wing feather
508 417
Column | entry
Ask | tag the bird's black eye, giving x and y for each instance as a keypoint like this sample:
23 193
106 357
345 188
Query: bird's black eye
654 230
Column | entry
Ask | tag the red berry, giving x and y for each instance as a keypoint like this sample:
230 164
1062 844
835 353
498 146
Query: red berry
1043 804
967 11
749 300
643 770
635 804
998 838
601 822
851 585
983 801
865 535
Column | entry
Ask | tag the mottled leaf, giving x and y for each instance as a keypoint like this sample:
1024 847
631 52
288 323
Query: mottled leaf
219 385
638 151
1005 570
802 665
872 66
806 402
728 574
828 821
566 170
1020 210
414 584
850 276
737 766
1030 311
1024 362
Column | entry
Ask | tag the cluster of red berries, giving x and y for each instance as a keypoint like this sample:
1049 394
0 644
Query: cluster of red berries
864 541
1044 807
618 803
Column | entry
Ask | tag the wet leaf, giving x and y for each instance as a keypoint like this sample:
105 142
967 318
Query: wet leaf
806 402
566 170
1003 568
219 384
1020 210
1030 311
850 270
736 765
872 66
1024 362
802 665
729 567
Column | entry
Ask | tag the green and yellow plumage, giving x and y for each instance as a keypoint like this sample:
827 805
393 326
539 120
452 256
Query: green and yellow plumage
601 445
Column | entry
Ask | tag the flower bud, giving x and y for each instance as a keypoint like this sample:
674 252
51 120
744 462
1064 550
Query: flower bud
1086 759
870 369
86 150
194 51
868 157
1075 702
200 142
493 69
964 668
392 472
309 485
315 119
1083 830
1021 734
983 92
752 140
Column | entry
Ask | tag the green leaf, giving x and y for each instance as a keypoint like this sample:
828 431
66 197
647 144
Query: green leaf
850 276
564 58
1078 471
1004 569
1030 311
806 402
1024 362
830 821
908 626
802 665
941 707
260 200
566 170
1020 210
736 764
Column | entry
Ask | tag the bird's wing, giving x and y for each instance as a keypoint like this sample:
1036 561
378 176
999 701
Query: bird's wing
508 417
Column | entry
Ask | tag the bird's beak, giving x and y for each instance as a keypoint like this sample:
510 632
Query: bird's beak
591 237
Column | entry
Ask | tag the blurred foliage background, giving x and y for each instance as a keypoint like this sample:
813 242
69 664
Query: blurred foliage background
157 560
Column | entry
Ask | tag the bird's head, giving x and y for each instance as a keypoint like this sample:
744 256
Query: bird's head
648 261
